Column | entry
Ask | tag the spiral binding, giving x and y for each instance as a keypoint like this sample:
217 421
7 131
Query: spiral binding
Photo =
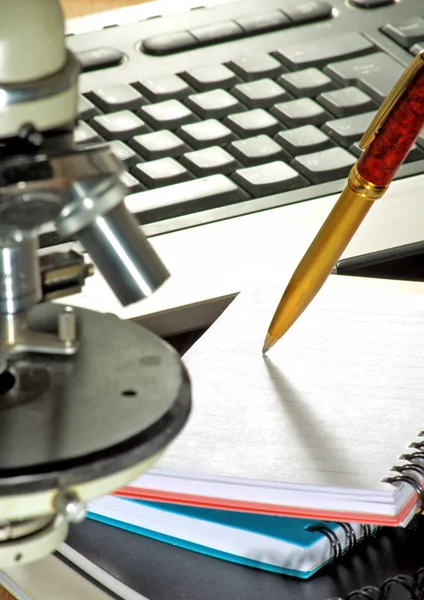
335 542
413 585
407 471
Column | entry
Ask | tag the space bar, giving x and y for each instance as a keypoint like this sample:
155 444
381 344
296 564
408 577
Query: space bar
184 198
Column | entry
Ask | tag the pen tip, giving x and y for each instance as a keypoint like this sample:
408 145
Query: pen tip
268 344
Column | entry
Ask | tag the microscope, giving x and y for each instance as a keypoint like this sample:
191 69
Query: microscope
87 402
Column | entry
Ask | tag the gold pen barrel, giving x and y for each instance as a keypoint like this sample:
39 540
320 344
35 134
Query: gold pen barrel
324 252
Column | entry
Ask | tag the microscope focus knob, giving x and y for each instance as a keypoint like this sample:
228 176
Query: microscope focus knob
31 40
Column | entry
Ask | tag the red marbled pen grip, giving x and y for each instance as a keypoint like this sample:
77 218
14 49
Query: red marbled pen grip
383 157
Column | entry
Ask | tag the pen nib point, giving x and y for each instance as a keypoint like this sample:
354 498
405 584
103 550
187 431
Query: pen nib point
268 344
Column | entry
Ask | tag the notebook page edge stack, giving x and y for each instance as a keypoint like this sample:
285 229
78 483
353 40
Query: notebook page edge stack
313 429
293 547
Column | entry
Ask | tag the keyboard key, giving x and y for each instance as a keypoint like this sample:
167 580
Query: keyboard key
206 133
407 33
304 140
260 94
216 32
321 52
185 198
371 3
210 161
271 178
169 114
167 43
209 78
121 125
349 130
85 135
256 66
375 74
327 165
258 150
307 83
215 104
159 144
416 49
99 58
253 122
414 154
161 172
131 183
124 153
420 140
306 12
168 87
264 21
86 109
302 111
117 97
346 102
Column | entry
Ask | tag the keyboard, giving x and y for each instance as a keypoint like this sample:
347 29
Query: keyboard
230 116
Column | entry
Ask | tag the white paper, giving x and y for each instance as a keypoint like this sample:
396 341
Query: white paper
335 403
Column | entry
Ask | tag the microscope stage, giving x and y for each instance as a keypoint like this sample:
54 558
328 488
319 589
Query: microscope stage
66 421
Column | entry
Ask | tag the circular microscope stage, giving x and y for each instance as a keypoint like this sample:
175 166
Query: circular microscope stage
67 421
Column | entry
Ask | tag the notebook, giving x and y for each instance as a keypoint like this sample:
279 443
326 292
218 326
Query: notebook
284 545
314 429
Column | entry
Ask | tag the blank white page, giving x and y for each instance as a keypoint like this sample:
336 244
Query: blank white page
335 403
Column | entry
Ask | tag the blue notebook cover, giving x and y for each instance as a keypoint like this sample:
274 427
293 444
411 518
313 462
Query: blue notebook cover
278 544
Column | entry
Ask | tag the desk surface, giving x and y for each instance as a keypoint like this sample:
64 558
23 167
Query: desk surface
162 572
76 8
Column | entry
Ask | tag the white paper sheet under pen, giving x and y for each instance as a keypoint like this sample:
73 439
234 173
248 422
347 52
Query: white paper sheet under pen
334 405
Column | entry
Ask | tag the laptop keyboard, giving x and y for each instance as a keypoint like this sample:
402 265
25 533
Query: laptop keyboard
256 125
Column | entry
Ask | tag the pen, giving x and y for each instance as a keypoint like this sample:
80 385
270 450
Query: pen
386 143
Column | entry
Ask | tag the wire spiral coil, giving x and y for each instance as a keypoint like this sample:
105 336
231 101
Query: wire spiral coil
413 585
412 472
333 538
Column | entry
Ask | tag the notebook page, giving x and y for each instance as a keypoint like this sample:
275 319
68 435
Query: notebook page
334 404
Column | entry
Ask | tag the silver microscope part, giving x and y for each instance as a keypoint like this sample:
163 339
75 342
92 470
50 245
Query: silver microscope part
85 198
20 281
67 326
125 258
89 199
69 504
20 289
16 338
112 237
28 206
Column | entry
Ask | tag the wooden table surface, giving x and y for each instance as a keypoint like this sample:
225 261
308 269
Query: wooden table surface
77 8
